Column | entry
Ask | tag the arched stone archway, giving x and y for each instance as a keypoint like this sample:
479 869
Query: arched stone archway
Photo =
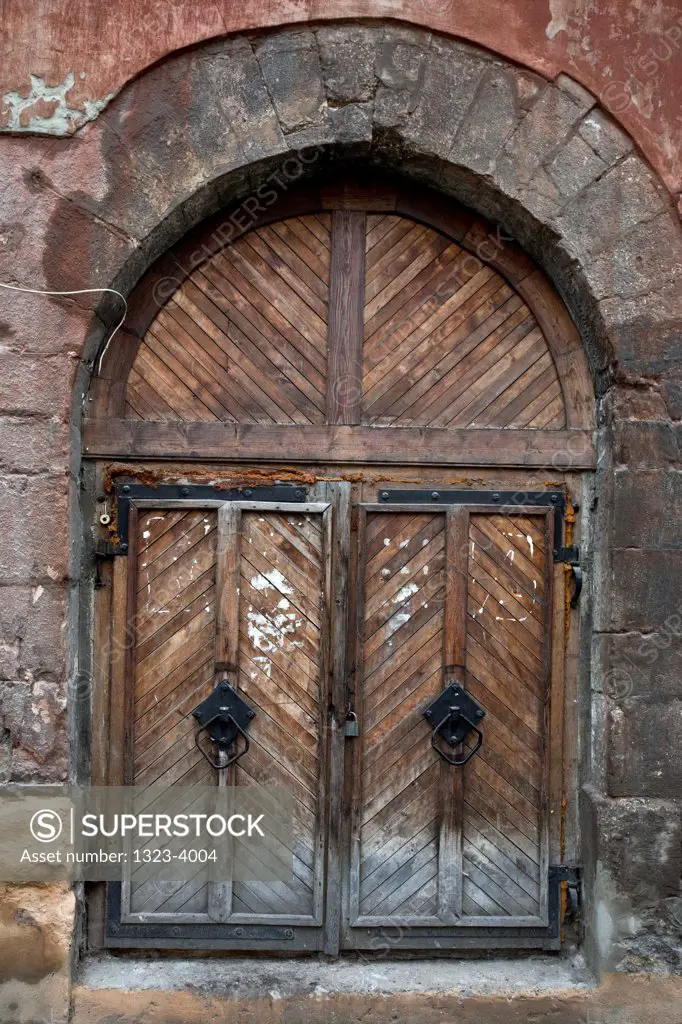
541 160
210 127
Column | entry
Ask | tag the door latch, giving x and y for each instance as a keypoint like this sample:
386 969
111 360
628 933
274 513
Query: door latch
224 716
452 717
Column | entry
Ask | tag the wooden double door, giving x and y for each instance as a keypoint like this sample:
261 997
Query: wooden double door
340 621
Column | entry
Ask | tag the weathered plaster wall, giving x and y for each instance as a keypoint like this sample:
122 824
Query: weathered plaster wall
209 126
67 60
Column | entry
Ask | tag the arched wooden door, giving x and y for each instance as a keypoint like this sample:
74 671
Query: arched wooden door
356 431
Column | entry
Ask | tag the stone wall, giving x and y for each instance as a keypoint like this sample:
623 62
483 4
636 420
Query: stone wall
209 126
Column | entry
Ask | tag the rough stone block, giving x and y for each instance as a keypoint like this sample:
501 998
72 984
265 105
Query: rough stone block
33 445
399 68
640 665
9 658
290 65
633 858
606 139
574 167
489 122
448 88
348 57
645 331
650 252
646 589
644 744
648 509
645 445
580 96
672 394
596 219
547 123
43 635
34 529
33 713
36 386
36 932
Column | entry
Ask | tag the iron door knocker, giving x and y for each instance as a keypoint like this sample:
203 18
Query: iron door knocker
453 716
224 716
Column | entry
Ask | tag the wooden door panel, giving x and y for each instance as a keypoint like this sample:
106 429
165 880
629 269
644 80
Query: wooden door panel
173 670
281 660
504 852
243 589
403 586
451 594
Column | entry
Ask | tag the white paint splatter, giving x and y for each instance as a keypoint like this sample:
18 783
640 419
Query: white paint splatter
270 634
37 594
405 592
530 543
272 578
387 541
404 543
146 534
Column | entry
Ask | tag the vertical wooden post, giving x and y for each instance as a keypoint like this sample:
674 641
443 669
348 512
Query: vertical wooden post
345 317
226 660
339 495
454 667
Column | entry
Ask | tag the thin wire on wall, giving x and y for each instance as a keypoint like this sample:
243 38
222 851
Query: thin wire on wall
81 291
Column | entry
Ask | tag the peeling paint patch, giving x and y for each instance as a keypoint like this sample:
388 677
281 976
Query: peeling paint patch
559 22
46 111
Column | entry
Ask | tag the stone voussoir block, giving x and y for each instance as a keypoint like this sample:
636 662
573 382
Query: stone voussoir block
539 136
575 166
650 251
290 65
448 87
623 197
348 56
489 121
606 139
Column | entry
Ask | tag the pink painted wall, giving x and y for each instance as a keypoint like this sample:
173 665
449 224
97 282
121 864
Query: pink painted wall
626 52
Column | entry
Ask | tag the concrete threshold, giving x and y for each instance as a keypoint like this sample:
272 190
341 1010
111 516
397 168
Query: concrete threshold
276 991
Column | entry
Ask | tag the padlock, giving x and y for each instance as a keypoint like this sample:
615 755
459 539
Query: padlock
351 727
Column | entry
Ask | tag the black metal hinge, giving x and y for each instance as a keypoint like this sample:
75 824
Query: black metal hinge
570 555
104 549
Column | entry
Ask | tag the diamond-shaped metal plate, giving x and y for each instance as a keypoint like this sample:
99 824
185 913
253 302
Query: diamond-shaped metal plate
220 706
455 730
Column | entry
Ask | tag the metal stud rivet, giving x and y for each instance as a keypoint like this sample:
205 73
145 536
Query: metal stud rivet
247 492
435 495
126 488
384 495
496 497
184 491
124 547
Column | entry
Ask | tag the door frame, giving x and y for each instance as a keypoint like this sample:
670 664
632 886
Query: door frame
335 935
490 933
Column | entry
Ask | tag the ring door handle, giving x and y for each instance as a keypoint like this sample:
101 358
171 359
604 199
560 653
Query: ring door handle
224 716
455 713
458 762
224 720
